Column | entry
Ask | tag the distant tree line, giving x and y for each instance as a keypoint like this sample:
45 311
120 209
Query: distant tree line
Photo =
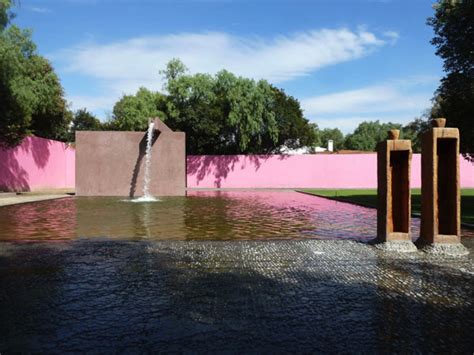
224 113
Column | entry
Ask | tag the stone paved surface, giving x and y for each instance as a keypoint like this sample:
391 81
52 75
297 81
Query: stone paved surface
236 297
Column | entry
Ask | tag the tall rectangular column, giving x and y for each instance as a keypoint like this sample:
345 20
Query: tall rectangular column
393 190
440 191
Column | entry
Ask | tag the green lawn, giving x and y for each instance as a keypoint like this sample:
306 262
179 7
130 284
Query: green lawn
369 197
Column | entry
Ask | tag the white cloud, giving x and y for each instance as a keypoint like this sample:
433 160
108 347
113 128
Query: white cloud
124 66
397 101
40 10
392 36
92 103
382 98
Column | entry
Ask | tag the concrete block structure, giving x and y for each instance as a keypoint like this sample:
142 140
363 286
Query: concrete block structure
440 191
111 163
393 193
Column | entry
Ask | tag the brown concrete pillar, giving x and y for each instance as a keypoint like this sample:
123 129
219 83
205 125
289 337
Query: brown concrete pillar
393 194
440 191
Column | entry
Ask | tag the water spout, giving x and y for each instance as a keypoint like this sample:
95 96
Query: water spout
147 178
149 138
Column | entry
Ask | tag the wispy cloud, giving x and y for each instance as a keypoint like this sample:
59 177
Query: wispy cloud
398 100
393 36
39 10
92 103
124 66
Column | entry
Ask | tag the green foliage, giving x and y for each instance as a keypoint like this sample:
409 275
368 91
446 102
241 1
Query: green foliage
30 92
294 131
132 112
332 133
223 114
453 24
51 117
83 120
368 134
226 114
5 13
414 131
174 69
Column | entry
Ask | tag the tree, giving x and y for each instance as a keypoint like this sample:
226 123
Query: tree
414 131
174 69
368 134
50 117
31 95
453 24
294 130
332 133
222 114
227 114
5 14
132 112
83 120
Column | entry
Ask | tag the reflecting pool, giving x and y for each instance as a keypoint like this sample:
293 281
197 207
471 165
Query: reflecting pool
209 215
232 272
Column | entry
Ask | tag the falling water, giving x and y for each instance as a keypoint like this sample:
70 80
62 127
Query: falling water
149 138
146 193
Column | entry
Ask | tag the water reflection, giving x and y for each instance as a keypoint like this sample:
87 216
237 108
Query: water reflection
52 220
209 215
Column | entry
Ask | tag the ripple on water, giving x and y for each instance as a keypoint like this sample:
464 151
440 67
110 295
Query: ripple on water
209 215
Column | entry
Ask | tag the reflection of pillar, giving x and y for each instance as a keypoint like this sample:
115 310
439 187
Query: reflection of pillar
440 192
393 191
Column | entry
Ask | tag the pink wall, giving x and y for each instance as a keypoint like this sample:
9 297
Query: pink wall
41 164
37 164
297 171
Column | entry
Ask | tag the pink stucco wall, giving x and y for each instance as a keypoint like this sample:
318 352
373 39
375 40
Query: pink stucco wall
42 164
37 164
297 171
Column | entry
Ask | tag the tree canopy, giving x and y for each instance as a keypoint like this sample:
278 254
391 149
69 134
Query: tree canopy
414 130
453 24
132 112
83 120
30 91
368 134
335 135
221 114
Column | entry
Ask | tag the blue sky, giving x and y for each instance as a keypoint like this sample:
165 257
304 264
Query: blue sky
346 61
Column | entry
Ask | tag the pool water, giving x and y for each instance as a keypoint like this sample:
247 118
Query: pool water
222 272
202 215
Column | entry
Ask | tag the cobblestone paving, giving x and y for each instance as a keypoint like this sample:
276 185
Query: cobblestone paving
232 296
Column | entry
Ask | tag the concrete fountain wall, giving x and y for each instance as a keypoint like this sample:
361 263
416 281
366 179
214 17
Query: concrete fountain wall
112 163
